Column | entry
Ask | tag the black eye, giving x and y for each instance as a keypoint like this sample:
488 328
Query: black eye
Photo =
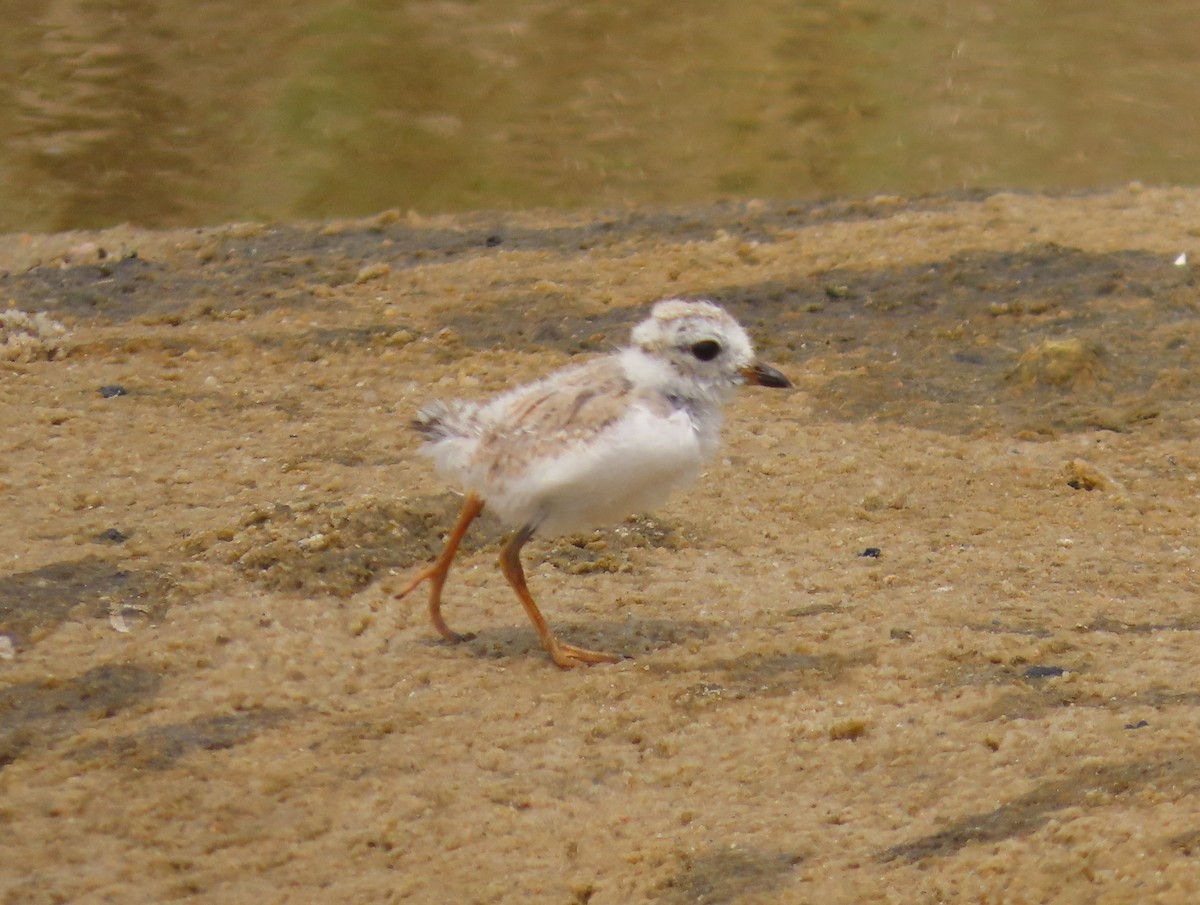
706 349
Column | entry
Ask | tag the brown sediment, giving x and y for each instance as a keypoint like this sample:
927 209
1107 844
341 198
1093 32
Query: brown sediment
925 630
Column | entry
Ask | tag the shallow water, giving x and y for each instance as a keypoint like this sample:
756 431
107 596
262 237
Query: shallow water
174 114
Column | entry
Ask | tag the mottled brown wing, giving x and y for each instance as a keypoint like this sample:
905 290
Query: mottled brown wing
547 417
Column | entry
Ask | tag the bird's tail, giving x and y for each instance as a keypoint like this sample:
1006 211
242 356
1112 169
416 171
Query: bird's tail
440 421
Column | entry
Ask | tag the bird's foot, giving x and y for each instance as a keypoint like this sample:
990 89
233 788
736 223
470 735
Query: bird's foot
435 574
569 656
430 571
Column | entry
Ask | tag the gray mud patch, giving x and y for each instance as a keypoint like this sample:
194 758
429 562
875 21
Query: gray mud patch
160 747
32 603
608 550
39 714
252 269
760 675
727 876
338 548
974 341
1089 787
1043 340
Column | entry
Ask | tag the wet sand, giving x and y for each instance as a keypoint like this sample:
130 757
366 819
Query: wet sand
207 692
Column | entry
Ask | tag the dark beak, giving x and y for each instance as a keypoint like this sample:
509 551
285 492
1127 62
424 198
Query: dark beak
763 375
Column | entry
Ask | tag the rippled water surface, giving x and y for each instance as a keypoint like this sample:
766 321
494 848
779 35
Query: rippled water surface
176 113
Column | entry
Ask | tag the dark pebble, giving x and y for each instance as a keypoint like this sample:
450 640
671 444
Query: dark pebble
112 536
1044 672
493 241
1140 724
113 389
969 358
872 552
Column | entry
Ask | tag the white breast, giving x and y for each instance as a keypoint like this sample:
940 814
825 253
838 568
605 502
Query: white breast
631 467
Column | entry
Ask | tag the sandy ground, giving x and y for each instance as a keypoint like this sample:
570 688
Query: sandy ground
209 695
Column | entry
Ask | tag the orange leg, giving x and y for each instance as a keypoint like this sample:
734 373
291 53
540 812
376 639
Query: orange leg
565 655
435 573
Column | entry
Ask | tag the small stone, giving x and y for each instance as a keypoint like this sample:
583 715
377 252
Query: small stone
872 553
1082 475
315 542
109 390
31 337
848 729
372 272
872 502
1061 364
112 536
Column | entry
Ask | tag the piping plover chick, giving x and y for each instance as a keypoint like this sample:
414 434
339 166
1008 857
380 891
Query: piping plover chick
590 444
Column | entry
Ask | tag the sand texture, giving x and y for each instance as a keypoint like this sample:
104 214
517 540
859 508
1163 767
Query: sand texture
925 631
